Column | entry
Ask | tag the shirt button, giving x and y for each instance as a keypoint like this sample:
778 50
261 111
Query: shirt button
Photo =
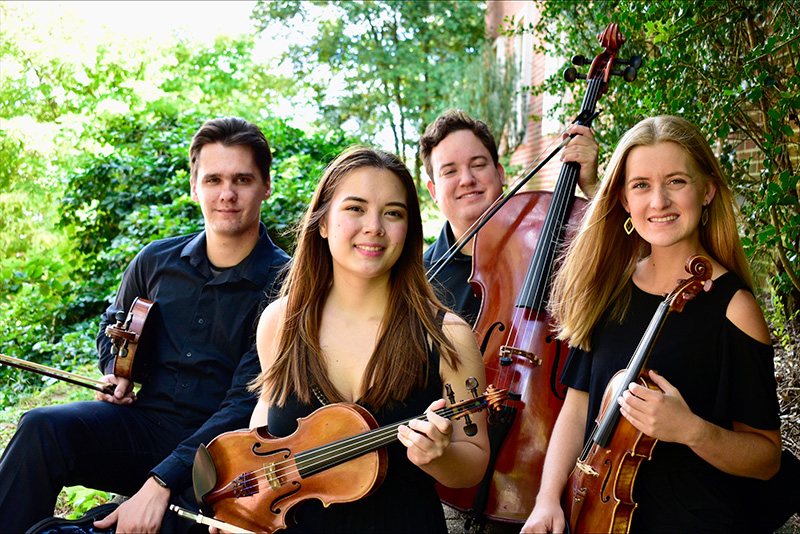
200 321
188 354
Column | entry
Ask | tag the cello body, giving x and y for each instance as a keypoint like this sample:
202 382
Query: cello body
506 243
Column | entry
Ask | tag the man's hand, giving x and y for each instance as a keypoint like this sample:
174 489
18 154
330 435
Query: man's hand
583 149
143 512
123 393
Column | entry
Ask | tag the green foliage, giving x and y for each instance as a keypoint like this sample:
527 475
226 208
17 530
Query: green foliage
730 66
94 145
80 500
401 62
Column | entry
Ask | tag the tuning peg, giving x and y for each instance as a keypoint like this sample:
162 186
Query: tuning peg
571 74
119 316
470 428
634 61
580 60
472 386
450 395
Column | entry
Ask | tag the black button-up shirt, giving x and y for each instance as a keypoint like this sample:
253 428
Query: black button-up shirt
451 283
197 349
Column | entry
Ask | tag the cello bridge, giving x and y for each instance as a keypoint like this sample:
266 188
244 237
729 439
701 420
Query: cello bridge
587 469
506 351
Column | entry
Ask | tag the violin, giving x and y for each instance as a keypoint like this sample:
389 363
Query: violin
252 479
125 336
513 328
598 497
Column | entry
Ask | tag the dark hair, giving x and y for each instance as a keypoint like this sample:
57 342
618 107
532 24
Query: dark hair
399 363
232 131
448 122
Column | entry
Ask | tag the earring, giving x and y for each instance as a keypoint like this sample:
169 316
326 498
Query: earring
704 216
628 226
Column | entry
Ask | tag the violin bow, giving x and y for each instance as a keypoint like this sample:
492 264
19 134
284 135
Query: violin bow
83 381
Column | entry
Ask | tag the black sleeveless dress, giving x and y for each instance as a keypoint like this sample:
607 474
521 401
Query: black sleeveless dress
723 374
406 501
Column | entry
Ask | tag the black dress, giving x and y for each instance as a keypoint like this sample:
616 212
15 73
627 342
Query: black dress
405 502
723 374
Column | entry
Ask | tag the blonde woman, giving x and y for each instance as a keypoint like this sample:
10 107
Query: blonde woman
663 199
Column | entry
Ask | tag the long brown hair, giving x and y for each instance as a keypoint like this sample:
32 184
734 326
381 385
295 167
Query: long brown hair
399 363
601 259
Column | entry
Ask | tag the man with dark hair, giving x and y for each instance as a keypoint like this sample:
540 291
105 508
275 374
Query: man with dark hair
464 178
208 290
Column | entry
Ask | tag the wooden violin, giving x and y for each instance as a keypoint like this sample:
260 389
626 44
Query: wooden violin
514 260
598 497
125 336
252 479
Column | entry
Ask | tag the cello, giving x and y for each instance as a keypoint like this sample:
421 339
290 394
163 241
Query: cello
598 496
125 337
518 345
252 479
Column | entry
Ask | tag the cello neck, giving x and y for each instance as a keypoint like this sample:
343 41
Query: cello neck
541 266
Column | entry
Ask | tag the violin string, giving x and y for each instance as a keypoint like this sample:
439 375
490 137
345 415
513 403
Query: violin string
352 447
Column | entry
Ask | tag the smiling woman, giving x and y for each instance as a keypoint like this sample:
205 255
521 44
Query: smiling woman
358 322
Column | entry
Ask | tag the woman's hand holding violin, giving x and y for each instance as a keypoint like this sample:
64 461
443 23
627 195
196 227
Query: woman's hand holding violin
426 440
663 415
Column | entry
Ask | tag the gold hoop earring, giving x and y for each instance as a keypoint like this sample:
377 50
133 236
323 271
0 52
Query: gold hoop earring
628 226
704 216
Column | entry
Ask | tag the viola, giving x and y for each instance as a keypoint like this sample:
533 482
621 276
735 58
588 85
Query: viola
253 480
125 337
598 497
513 328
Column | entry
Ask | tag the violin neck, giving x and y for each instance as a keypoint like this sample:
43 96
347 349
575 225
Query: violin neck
608 423
327 456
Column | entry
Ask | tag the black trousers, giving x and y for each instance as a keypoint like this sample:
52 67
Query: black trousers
92 443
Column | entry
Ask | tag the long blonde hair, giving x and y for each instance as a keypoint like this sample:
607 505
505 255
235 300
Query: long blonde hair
399 363
602 258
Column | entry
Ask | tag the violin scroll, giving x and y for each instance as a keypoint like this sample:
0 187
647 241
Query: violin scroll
701 269
126 334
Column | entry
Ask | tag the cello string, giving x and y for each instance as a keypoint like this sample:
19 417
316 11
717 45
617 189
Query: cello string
561 199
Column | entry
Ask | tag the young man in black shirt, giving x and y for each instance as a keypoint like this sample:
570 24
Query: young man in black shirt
208 290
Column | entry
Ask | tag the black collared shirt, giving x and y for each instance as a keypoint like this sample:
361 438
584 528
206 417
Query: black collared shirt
451 283
199 354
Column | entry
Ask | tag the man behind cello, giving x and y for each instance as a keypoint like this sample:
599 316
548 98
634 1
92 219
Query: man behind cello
465 178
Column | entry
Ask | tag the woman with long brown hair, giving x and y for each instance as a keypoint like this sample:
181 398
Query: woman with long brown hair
664 198
358 322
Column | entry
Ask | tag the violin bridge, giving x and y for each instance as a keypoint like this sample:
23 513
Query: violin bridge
587 469
274 483
506 351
